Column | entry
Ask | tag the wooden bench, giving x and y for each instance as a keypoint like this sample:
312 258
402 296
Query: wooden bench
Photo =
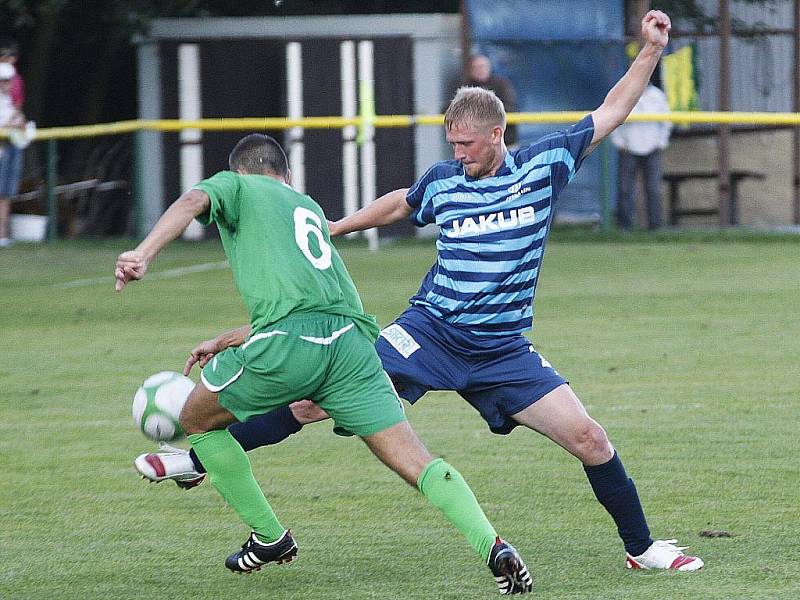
674 197
67 195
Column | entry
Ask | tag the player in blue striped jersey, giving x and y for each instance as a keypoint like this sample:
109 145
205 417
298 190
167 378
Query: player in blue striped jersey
492 227
463 330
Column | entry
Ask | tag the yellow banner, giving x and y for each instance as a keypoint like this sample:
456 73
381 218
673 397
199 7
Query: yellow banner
679 79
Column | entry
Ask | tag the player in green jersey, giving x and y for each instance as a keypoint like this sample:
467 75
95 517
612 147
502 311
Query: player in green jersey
308 338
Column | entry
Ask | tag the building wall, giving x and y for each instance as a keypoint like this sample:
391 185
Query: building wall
560 56
762 203
761 80
761 66
428 64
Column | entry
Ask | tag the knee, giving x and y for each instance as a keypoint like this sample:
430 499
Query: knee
191 424
592 445
202 412
192 420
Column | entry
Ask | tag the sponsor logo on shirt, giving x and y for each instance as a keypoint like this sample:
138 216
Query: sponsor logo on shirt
496 221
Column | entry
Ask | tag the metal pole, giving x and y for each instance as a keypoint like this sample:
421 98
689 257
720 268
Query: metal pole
347 73
466 37
635 10
642 6
724 140
52 180
190 108
151 188
294 102
366 80
796 132
139 224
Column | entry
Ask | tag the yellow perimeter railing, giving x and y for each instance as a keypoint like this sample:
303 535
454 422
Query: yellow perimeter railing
138 126
240 124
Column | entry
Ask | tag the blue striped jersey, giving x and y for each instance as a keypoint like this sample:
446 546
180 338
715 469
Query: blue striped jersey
492 232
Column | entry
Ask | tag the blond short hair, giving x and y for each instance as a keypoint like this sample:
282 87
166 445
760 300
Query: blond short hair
475 107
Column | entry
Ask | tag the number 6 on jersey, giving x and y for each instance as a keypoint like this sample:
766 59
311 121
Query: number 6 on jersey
302 230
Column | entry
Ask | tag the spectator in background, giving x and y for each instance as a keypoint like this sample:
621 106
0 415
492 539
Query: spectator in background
479 74
9 51
11 117
640 144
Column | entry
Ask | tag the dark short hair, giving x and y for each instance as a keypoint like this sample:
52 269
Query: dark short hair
8 46
259 154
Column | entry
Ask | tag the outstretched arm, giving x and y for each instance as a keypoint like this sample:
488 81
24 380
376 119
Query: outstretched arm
619 102
389 208
133 264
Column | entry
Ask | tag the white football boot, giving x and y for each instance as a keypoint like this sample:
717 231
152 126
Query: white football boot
171 463
664 554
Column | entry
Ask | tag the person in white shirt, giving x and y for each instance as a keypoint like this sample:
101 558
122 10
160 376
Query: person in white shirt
640 145
10 157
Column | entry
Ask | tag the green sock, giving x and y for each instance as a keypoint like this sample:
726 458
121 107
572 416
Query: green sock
447 490
229 470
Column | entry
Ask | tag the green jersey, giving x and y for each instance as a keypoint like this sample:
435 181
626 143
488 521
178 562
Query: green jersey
279 249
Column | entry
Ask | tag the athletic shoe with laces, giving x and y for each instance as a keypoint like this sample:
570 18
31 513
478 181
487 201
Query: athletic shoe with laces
171 463
664 554
255 553
509 571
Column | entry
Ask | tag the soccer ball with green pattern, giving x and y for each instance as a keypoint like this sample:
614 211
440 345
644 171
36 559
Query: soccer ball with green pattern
157 405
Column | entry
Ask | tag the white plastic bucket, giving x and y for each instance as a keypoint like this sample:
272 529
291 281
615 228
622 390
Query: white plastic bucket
28 228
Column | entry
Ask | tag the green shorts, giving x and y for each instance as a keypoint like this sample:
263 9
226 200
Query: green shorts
315 356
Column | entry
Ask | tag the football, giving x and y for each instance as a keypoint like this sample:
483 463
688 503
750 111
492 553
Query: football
157 405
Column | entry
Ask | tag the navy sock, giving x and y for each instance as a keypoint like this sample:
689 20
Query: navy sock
263 430
617 493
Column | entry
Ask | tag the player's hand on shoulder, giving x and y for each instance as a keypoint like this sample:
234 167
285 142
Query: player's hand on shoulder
131 265
656 26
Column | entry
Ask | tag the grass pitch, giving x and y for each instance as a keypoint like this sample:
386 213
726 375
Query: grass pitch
685 349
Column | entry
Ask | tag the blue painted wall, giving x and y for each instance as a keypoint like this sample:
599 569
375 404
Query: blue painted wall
547 19
560 55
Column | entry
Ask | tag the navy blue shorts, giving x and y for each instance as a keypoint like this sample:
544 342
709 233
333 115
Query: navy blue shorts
497 376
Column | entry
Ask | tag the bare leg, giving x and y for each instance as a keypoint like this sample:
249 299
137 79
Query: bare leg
305 411
228 467
560 416
270 428
202 412
399 448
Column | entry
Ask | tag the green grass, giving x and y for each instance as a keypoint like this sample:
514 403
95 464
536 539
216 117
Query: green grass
684 347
